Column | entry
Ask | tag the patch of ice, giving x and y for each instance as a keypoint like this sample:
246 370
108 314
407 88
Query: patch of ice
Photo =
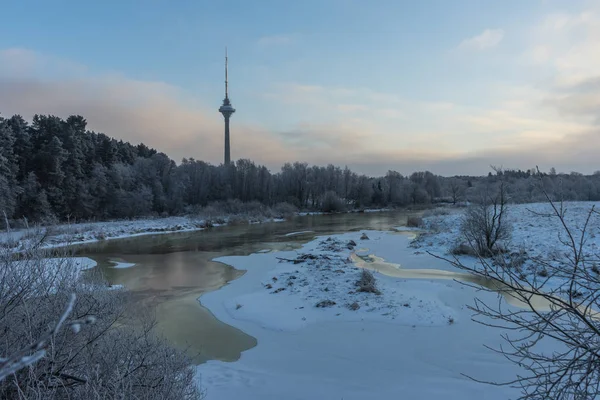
120 265
297 233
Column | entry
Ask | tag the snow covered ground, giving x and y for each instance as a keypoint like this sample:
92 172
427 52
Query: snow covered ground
536 232
320 337
61 235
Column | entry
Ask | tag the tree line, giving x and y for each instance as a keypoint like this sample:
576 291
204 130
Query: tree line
55 170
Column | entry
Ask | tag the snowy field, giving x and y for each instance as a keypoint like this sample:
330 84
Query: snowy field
61 235
536 232
320 337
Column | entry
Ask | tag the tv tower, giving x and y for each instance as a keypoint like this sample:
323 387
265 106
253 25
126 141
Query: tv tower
226 109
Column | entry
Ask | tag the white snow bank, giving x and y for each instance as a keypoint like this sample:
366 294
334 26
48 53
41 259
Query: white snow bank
61 235
371 210
305 213
536 231
413 341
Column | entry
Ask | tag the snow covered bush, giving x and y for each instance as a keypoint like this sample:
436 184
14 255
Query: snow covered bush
284 210
331 202
117 356
235 210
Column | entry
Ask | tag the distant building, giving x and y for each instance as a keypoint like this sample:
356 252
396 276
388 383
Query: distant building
226 109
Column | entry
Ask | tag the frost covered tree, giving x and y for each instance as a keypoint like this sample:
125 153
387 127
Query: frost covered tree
88 175
47 353
8 169
456 189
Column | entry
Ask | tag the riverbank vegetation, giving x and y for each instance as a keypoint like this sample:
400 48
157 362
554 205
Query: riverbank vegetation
55 170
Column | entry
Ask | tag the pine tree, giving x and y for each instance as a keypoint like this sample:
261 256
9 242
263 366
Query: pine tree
33 202
8 169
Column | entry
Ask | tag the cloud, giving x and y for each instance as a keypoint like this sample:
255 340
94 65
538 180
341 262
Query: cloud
523 118
156 113
372 131
568 45
352 108
581 99
485 40
277 40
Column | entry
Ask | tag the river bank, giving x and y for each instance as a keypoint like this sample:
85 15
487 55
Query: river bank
90 232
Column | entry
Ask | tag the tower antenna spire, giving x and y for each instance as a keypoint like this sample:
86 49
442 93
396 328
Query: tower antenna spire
226 81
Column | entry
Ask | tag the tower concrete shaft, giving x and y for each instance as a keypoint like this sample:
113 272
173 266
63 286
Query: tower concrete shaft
227 110
227 140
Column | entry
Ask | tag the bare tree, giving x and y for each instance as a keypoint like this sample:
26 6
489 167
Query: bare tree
457 189
560 295
485 223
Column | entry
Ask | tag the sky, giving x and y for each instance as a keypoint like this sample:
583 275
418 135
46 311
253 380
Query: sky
447 86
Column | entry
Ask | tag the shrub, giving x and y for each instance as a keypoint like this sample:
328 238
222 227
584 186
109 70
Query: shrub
325 304
367 283
414 222
284 210
485 224
462 249
331 202
118 356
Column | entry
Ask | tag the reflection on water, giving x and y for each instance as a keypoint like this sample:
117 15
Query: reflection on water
172 270
171 283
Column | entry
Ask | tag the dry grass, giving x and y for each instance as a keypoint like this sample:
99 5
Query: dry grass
367 282
414 222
